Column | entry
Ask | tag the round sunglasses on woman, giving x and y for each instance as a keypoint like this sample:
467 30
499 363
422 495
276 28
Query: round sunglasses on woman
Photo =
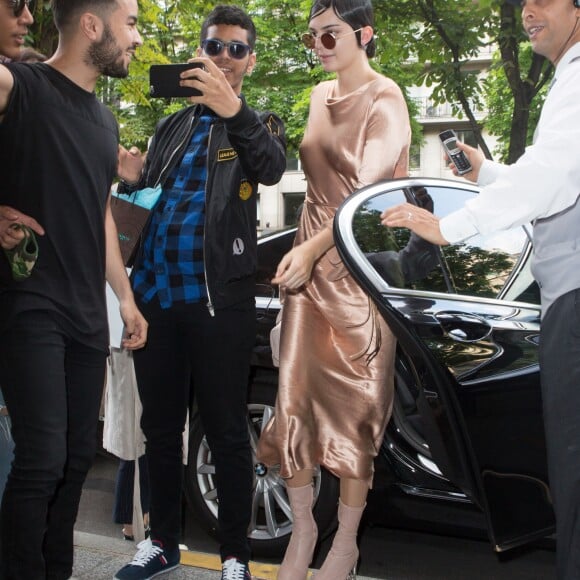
328 39
19 5
214 47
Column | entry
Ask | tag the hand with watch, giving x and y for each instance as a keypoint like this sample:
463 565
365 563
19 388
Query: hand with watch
129 167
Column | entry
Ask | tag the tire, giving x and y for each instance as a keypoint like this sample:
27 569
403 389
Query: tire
271 524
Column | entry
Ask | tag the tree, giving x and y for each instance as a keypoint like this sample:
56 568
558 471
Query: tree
285 71
44 35
444 37
419 41
447 36
504 119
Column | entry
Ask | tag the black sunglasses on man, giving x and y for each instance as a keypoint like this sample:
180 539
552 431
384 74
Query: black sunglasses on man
214 47
19 5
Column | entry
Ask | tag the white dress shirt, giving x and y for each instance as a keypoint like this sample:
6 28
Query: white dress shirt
544 180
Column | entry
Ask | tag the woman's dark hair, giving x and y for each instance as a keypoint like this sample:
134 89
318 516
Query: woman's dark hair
231 16
356 13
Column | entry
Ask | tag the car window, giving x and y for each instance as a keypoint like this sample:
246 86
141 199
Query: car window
481 266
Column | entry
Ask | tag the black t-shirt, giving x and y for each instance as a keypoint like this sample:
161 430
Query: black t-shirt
58 150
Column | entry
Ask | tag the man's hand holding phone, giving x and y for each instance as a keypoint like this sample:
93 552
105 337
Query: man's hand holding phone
462 159
476 158
165 80
216 90
200 80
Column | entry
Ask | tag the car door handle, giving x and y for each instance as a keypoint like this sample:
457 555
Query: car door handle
463 327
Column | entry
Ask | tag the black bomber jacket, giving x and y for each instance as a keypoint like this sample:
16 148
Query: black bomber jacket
244 150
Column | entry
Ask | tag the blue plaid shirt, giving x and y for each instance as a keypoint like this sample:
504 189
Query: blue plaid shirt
172 266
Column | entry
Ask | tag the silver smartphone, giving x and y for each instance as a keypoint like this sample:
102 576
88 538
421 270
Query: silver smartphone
449 142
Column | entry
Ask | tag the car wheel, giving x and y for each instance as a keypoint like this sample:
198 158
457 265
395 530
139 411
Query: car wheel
271 524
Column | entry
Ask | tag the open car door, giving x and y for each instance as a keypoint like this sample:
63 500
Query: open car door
467 317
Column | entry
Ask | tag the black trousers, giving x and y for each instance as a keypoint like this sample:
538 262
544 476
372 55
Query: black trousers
187 348
52 386
124 484
560 374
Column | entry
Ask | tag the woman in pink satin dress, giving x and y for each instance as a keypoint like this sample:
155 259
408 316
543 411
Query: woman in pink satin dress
336 352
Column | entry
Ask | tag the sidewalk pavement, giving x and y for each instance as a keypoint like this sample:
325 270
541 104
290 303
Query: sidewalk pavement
100 557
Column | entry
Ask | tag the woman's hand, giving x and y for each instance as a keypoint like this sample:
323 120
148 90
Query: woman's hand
295 268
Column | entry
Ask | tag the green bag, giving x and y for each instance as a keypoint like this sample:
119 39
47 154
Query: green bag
23 256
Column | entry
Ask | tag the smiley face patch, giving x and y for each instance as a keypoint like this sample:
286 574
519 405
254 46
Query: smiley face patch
245 191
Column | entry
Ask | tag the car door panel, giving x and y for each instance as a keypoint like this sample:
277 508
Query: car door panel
473 355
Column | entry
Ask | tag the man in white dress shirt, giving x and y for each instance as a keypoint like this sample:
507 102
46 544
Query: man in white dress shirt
543 186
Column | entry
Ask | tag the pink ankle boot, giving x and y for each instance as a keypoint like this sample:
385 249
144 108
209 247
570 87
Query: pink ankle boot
340 563
304 535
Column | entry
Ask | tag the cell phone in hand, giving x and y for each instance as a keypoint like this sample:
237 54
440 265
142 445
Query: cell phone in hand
449 142
164 80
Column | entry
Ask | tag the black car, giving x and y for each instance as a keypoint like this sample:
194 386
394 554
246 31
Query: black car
465 448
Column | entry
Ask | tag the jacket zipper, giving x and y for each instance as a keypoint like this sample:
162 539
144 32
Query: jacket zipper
209 301
177 148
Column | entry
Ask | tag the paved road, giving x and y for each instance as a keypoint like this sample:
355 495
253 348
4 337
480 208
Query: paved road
385 553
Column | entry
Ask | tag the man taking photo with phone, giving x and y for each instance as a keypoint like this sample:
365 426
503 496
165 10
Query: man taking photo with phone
194 278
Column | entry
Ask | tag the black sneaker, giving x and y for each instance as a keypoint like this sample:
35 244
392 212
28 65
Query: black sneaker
234 569
149 561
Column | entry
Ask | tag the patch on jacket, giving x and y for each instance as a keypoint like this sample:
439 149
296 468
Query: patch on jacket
273 125
246 190
238 247
226 154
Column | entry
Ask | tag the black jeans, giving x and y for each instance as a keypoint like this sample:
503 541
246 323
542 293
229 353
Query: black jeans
560 373
187 348
52 386
123 505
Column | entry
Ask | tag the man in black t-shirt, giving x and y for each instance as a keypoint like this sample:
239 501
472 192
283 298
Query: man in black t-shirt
14 22
58 146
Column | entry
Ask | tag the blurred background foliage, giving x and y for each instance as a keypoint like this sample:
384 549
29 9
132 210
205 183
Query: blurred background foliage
418 41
